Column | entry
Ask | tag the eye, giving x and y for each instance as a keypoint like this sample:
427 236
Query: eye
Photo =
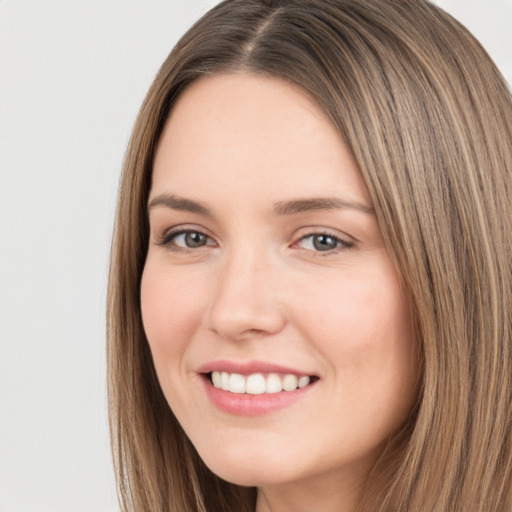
186 239
323 242
190 239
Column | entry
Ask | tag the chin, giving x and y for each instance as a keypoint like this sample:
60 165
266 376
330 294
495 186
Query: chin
248 471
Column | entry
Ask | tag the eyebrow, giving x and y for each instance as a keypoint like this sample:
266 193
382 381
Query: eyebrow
280 208
297 206
179 203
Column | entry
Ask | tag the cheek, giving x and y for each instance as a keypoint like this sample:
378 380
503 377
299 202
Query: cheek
171 309
362 326
356 312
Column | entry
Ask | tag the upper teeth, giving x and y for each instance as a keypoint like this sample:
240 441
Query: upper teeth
257 383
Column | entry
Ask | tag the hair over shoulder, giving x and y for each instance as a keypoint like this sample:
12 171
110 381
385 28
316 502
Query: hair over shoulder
427 118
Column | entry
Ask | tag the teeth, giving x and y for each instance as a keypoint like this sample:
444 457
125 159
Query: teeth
236 383
290 382
217 379
303 381
224 380
257 383
274 384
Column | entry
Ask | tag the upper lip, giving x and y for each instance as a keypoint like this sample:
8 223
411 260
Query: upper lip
248 367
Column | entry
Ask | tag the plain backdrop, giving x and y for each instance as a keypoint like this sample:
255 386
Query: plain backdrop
72 76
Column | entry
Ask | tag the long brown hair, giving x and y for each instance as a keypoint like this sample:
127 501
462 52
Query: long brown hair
428 119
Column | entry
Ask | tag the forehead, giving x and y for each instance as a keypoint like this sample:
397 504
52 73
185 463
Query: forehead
256 132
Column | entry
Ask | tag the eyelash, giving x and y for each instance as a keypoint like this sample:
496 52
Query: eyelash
168 238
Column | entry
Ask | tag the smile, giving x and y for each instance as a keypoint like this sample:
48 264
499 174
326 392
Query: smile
254 388
258 383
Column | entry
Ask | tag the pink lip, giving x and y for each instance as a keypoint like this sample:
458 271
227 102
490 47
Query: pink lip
252 405
245 404
247 367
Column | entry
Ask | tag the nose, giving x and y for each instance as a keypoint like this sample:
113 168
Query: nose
246 301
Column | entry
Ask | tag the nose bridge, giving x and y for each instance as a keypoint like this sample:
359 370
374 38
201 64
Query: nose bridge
245 301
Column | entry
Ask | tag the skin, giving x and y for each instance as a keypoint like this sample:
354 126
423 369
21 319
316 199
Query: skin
260 289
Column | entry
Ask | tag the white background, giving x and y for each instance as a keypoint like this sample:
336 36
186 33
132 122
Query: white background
72 76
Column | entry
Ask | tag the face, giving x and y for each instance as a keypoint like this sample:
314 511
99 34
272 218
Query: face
279 330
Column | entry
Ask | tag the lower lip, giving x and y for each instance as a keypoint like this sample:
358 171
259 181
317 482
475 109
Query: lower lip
244 404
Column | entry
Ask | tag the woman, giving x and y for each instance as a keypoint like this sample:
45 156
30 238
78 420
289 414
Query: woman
310 288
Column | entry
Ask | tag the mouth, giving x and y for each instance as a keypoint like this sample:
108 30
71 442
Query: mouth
259 383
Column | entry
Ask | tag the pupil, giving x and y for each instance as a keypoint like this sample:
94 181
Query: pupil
195 239
324 242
